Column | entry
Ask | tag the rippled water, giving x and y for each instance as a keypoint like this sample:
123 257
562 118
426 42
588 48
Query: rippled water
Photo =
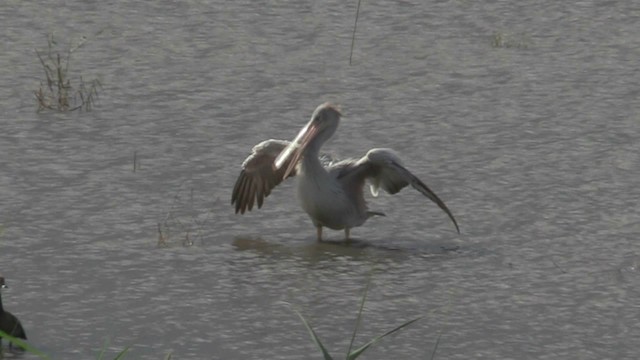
522 116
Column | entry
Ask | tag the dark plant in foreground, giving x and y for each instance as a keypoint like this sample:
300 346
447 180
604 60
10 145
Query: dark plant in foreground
22 344
57 92
353 354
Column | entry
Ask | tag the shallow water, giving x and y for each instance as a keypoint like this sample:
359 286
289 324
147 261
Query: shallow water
531 143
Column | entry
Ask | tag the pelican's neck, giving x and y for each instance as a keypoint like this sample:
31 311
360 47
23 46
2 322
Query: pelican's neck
310 158
1 308
310 163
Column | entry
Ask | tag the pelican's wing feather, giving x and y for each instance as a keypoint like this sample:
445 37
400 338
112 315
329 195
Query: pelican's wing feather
259 175
384 169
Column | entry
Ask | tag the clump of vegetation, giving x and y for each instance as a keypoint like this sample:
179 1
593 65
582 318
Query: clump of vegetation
57 92
183 222
503 40
353 354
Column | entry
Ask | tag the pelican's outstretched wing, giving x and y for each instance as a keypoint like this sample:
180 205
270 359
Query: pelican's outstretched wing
259 175
383 169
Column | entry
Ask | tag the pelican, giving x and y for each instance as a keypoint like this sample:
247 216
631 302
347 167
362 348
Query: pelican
332 196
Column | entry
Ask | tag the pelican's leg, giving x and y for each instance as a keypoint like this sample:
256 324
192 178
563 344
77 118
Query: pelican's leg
346 234
319 231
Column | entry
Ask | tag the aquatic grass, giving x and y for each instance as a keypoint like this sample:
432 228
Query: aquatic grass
119 356
353 37
501 39
183 221
354 354
57 92
435 347
136 162
173 219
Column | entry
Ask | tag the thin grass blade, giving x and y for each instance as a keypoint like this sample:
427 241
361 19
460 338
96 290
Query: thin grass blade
435 347
359 318
314 336
122 353
103 350
353 37
358 352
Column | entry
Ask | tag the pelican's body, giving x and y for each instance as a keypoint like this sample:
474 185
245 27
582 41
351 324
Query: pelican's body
330 200
332 196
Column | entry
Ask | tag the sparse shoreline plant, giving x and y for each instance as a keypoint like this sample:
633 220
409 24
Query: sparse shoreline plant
57 92
182 221
353 354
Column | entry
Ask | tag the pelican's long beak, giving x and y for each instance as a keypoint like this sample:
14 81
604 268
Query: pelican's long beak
296 148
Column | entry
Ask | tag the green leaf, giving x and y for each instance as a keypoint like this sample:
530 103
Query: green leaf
314 336
23 344
358 352
104 348
119 356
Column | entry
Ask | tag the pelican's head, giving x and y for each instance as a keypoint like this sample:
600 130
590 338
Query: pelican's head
2 284
326 116
324 122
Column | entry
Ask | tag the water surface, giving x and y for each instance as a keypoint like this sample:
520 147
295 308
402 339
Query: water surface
532 143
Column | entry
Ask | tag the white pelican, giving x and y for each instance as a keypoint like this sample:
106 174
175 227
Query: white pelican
332 196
